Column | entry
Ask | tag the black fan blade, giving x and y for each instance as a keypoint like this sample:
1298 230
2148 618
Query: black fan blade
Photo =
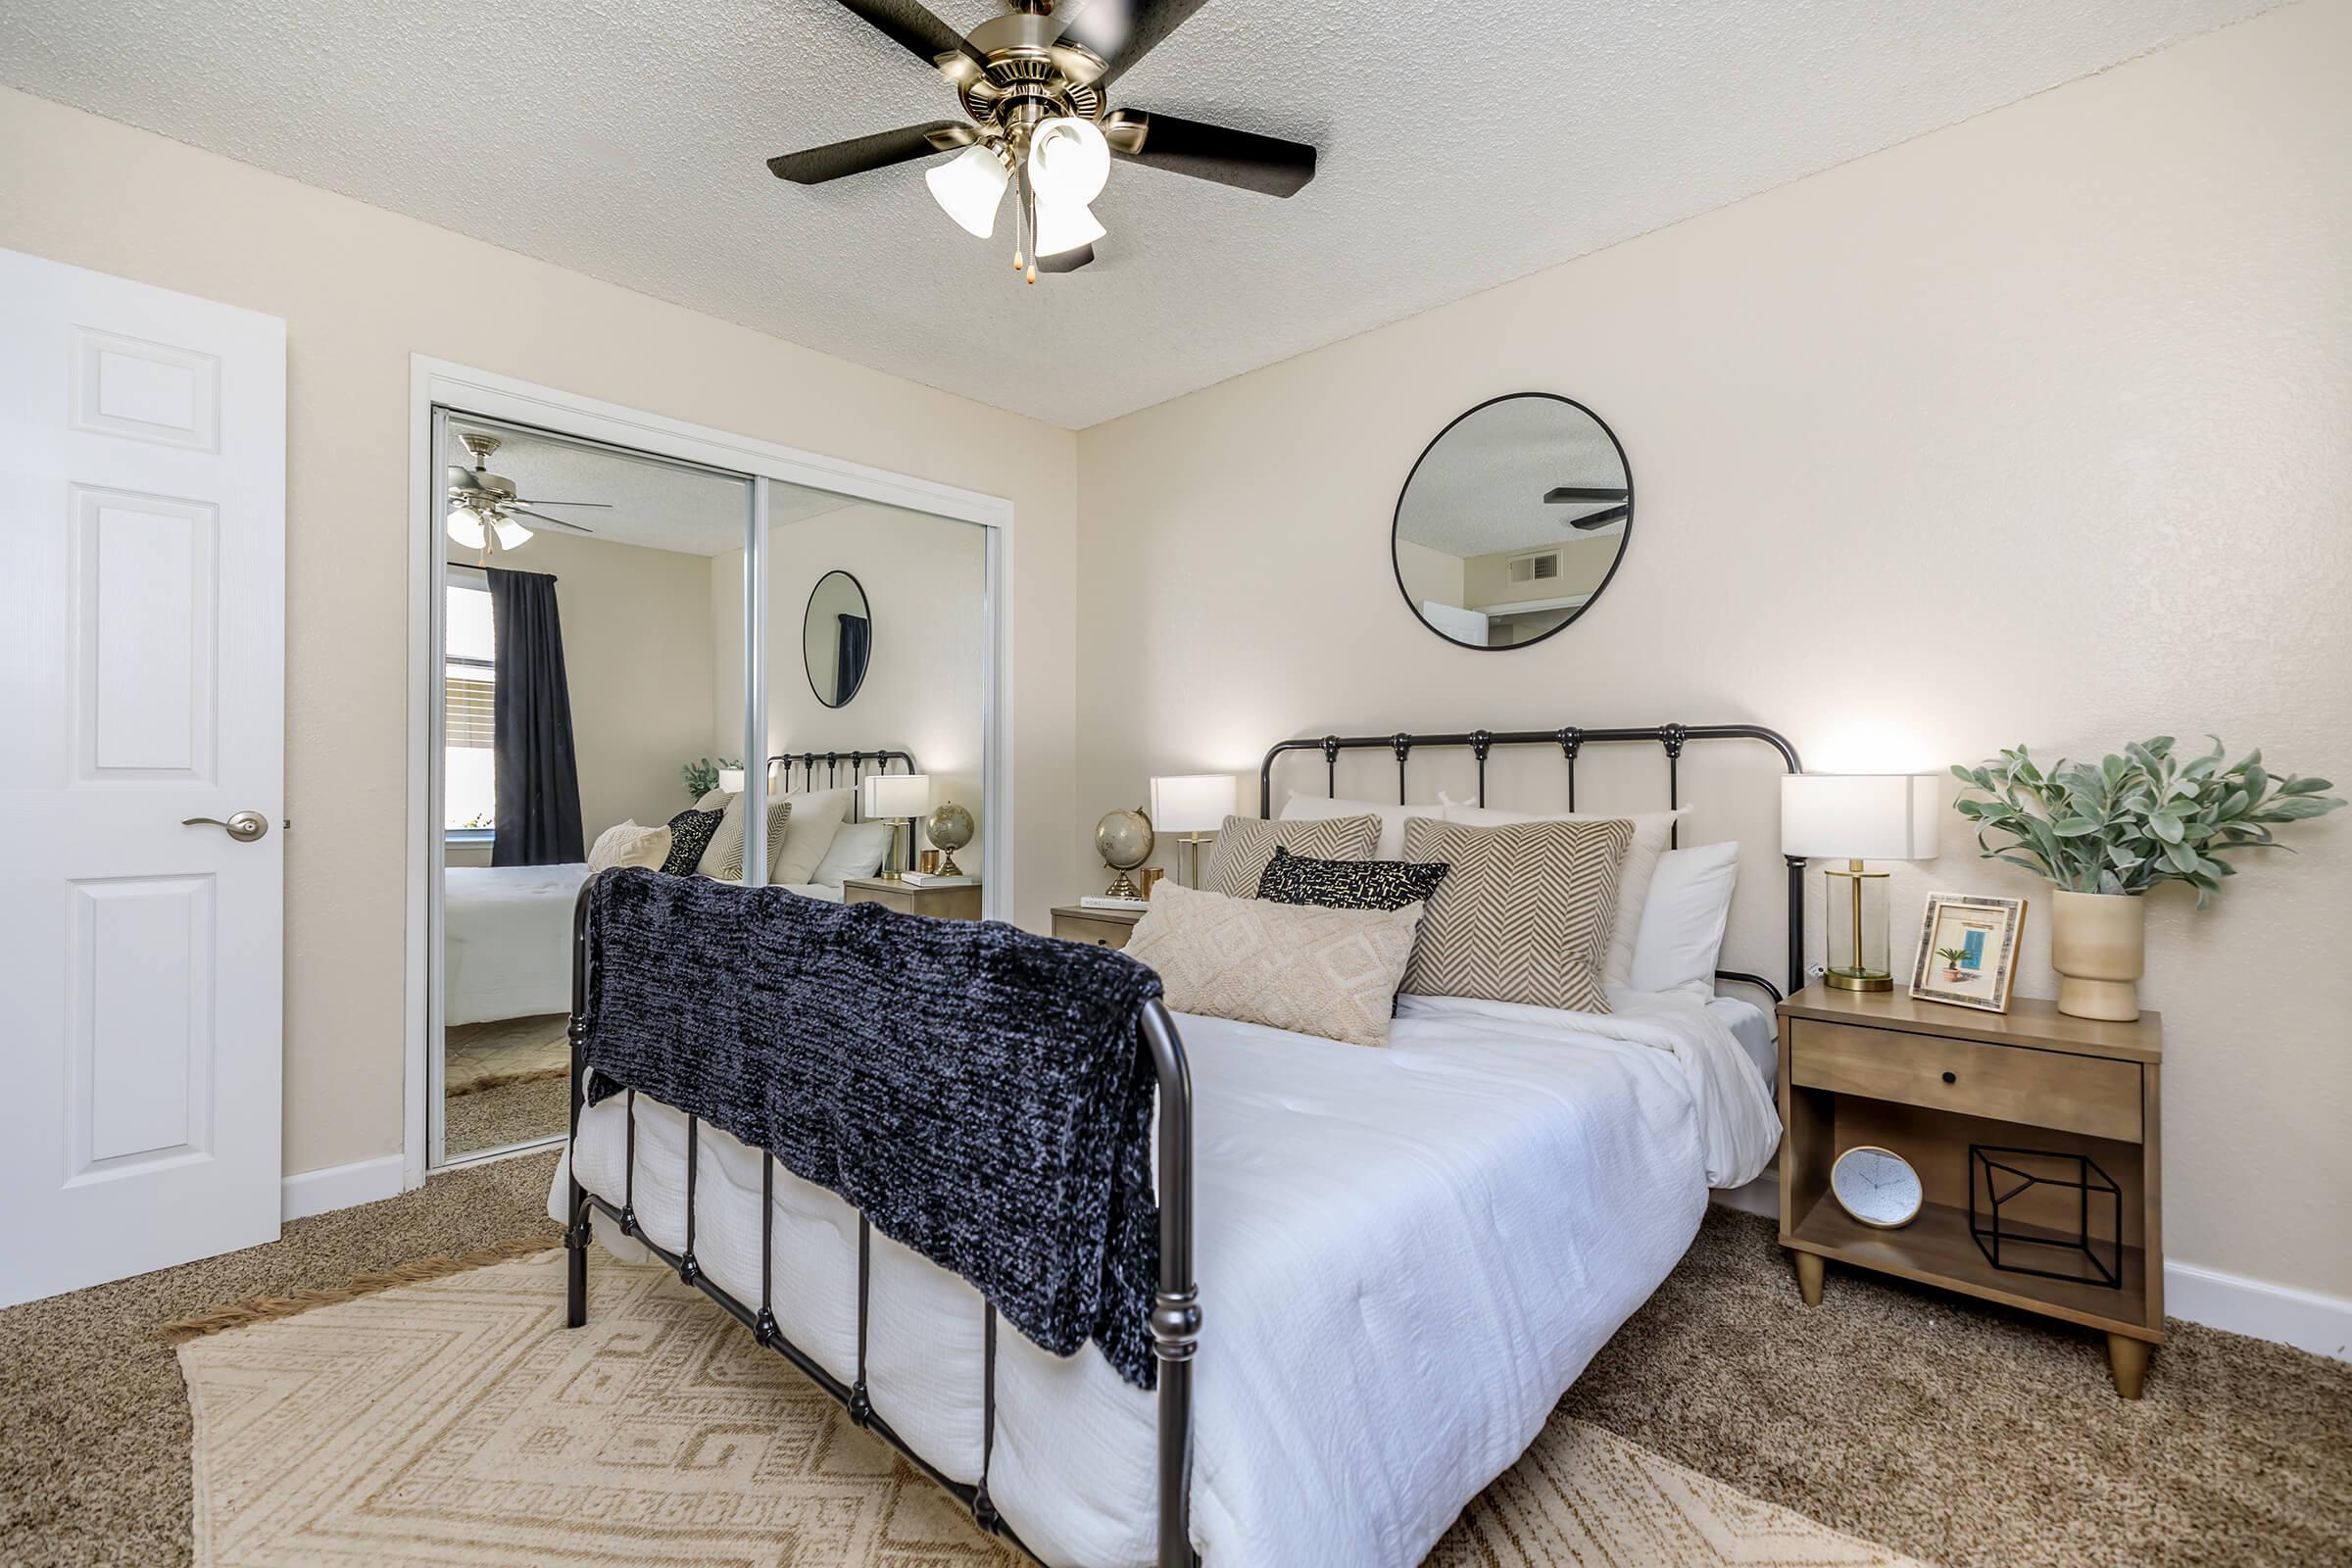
1239 158
911 27
1123 31
1599 520
1579 492
1068 261
861 154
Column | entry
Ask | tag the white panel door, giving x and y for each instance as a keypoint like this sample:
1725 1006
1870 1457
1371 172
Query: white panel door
142 683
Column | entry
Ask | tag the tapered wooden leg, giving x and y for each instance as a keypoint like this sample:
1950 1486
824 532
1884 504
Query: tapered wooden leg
1808 1276
2127 1359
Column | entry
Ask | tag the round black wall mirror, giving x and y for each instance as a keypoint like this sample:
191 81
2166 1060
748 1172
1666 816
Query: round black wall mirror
1512 522
837 638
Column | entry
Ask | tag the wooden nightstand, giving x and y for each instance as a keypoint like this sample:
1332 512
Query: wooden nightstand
1927 1081
945 903
1104 928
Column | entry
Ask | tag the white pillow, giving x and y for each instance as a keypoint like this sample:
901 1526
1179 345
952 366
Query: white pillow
1651 830
1304 808
628 844
1683 923
816 816
856 850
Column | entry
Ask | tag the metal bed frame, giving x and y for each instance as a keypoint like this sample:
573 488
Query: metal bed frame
1175 1304
1570 740
1175 1321
834 762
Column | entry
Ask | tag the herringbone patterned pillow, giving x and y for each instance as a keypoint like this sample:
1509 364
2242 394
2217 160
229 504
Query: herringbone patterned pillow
1523 916
1246 844
1296 967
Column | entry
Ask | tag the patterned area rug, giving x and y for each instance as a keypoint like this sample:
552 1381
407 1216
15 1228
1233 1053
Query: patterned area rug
457 1422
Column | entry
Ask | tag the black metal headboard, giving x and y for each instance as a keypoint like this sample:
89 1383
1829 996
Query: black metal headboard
858 763
1570 740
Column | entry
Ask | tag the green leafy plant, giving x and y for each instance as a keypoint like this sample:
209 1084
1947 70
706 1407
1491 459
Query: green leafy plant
702 775
1955 961
2125 823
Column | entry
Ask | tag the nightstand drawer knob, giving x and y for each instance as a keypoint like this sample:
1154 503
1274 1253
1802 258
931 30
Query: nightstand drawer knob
1952 1077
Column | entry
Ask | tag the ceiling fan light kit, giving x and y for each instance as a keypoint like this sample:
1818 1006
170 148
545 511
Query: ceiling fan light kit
483 506
1034 85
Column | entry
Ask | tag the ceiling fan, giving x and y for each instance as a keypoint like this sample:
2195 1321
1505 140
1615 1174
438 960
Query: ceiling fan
1034 85
1575 494
483 507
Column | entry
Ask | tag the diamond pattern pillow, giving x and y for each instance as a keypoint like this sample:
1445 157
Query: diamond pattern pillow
1346 884
723 860
1524 913
1301 967
1246 844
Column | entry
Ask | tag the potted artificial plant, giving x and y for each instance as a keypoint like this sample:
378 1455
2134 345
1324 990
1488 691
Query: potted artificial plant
2103 834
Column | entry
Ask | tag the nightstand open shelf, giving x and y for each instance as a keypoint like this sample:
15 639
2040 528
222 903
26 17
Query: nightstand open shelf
1928 1082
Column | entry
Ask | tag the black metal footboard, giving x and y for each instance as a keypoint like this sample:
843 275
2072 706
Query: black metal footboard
1175 1310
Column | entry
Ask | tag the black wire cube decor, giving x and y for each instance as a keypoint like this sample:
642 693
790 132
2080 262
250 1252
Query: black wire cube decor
2009 1179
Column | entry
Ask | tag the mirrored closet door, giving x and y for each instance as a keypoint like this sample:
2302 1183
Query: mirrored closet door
630 647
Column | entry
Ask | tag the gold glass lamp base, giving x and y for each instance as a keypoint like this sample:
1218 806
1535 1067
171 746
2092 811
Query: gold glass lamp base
1857 980
1857 959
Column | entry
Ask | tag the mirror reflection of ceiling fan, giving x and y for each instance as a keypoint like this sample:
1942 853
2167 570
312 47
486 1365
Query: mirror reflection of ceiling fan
483 506
1575 494
1034 85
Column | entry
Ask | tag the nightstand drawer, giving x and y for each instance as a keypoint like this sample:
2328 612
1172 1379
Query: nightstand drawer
1099 933
2091 1095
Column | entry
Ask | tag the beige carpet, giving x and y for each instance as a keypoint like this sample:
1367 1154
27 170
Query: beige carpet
457 1422
506 1082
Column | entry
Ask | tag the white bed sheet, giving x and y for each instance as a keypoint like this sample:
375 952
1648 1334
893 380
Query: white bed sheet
1404 1256
506 937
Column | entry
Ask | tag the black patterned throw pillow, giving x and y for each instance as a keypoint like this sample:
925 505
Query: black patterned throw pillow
690 834
1347 883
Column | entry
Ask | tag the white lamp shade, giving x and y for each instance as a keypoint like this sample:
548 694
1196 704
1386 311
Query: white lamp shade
1064 226
464 528
1069 160
1193 803
511 534
970 187
890 795
1860 816
730 780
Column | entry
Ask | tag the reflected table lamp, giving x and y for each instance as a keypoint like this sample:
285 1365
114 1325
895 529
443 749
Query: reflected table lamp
1193 805
730 780
1856 817
897 798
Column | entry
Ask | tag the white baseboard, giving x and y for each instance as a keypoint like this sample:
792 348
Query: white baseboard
2304 1319
320 1192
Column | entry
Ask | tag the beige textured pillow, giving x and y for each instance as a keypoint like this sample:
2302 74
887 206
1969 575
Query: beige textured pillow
723 860
1296 967
816 816
1524 915
1652 831
1246 844
627 844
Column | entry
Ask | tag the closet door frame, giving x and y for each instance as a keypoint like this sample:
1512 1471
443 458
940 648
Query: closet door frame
438 384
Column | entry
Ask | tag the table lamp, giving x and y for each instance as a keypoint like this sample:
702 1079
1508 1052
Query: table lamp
1192 805
730 780
897 798
1856 817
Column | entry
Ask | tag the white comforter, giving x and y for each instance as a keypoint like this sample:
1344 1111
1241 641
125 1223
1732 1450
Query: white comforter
1405 1258
507 941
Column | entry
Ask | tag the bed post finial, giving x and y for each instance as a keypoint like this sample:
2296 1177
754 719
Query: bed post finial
1672 737
1571 739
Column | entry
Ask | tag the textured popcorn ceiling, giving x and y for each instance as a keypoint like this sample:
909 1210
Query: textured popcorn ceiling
1461 146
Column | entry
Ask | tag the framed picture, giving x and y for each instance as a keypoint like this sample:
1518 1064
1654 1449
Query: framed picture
1968 951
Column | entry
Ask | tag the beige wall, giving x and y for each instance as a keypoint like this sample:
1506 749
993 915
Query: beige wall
926 583
2057 398
362 290
637 651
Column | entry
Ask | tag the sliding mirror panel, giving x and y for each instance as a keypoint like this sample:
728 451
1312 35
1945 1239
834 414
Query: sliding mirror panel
592 627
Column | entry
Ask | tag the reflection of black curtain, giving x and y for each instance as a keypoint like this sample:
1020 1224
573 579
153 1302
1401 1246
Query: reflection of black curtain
538 780
848 660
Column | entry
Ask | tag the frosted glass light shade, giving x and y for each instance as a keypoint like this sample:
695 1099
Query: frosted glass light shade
464 528
970 187
1859 816
730 780
511 534
893 796
1064 226
1069 162
1192 802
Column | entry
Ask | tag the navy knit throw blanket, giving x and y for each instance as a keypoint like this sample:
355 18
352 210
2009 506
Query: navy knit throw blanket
978 1093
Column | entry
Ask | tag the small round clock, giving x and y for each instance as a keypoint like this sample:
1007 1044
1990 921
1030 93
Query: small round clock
1876 1186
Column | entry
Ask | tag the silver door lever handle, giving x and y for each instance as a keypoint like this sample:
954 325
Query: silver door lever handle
243 826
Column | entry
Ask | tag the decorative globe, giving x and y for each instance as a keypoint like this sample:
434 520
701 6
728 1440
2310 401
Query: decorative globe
1124 840
951 829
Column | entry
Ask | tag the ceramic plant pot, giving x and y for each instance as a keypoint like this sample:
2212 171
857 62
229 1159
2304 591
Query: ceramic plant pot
2100 947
